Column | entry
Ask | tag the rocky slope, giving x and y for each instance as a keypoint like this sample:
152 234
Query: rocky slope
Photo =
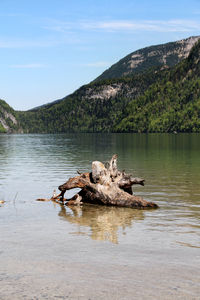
92 108
8 120
161 56
171 104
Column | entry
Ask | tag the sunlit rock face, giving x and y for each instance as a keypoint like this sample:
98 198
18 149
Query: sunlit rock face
8 120
161 56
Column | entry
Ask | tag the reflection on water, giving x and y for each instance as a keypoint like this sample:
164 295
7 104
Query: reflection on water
104 221
32 166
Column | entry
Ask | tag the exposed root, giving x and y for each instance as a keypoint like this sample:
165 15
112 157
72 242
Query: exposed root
104 185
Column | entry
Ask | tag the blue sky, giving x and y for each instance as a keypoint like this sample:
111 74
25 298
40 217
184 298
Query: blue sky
49 48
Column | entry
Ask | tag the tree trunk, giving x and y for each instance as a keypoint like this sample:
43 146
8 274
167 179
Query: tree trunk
104 185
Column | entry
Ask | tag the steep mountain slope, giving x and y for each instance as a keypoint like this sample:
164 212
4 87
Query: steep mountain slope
162 56
170 104
8 120
92 108
154 58
155 101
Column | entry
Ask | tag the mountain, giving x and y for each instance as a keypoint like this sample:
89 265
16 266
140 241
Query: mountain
159 56
8 120
144 60
92 108
158 100
171 104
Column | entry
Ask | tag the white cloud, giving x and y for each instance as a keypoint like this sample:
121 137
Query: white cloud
69 32
12 43
60 26
27 66
146 25
179 25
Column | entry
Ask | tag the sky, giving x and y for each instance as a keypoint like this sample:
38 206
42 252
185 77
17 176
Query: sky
49 48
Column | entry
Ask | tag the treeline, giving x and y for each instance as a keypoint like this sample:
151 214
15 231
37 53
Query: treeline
79 113
156 101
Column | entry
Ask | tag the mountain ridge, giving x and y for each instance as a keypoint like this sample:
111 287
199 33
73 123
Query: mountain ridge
182 47
162 56
161 99
157 101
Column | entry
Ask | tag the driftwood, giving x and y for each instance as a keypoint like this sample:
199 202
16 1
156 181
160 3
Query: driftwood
104 185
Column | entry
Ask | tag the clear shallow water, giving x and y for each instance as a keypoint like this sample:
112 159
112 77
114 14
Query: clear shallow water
39 240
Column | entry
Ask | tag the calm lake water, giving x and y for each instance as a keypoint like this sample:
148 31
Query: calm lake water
48 251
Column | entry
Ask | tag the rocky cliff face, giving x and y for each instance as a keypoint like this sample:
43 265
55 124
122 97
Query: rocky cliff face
8 120
159 56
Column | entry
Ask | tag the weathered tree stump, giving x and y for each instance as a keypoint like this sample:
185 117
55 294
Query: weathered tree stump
104 185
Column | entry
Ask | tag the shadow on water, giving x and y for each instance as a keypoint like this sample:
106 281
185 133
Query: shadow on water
104 222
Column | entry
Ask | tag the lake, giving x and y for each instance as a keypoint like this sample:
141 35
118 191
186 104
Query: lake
48 251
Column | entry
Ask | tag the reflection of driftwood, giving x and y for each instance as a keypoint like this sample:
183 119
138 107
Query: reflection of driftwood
104 222
104 185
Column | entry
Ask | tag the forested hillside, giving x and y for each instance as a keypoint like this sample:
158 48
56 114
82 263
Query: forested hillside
8 119
156 101
159 56
93 108
170 104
